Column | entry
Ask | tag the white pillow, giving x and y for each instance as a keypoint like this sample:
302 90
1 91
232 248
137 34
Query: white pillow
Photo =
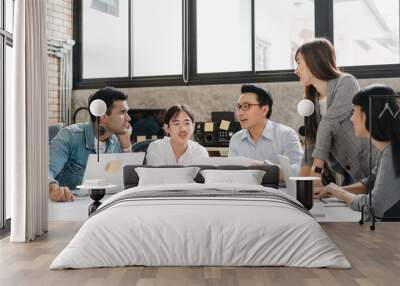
249 177
165 176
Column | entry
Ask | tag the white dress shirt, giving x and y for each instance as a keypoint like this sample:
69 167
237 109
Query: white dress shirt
160 153
102 146
276 139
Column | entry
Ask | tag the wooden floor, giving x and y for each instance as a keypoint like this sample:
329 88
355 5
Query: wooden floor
374 255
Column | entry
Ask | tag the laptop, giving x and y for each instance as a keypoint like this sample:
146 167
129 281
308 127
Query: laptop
110 168
284 162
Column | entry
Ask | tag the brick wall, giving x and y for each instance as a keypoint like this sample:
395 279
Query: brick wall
59 27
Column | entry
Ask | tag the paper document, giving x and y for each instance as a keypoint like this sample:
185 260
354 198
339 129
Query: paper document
334 202
224 125
140 138
209 127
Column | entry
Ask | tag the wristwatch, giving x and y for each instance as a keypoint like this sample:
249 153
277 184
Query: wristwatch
317 169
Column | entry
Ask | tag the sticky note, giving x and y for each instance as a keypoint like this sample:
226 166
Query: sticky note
224 125
140 138
209 127
113 166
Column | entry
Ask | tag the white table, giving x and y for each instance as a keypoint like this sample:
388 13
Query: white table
334 212
78 211
70 211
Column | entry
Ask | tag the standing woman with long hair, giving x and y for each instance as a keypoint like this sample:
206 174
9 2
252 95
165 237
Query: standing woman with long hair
329 129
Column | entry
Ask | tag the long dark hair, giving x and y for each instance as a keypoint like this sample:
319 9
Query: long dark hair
320 57
385 127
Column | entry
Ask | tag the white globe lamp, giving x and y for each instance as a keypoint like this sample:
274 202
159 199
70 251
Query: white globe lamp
98 107
305 108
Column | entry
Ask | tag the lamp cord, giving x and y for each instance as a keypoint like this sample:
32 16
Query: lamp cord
98 139
305 139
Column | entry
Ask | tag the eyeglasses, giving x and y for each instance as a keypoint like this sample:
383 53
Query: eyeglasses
244 106
179 124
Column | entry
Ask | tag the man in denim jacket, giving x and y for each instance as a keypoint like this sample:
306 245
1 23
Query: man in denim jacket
70 149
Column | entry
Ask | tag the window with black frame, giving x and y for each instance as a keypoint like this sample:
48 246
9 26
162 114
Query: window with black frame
6 43
371 38
131 51
227 41
223 36
157 49
275 47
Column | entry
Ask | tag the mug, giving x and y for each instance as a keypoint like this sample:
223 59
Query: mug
304 190
304 193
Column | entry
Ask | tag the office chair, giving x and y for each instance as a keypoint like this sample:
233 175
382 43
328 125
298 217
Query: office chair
142 145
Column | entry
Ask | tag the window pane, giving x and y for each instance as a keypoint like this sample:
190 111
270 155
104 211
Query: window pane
105 38
223 35
8 86
274 47
370 38
9 15
157 37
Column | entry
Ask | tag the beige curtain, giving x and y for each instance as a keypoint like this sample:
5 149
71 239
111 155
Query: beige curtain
26 126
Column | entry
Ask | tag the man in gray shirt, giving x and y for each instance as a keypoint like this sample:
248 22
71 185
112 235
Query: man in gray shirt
262 139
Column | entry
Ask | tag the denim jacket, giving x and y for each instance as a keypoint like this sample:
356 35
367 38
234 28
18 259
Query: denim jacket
69 152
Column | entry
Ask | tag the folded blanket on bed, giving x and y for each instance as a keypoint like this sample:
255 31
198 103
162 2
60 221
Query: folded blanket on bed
207 194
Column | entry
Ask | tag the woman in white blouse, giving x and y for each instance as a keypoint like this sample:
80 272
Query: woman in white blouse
177 149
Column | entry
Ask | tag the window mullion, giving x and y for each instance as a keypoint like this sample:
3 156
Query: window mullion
192 39
130 38
324 19
185 41
253 45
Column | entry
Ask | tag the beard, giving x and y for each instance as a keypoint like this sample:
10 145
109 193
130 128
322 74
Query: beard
102 130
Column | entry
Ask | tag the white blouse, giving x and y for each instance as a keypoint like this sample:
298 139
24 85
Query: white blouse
160 153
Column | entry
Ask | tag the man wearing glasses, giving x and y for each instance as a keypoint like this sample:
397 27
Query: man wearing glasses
260 138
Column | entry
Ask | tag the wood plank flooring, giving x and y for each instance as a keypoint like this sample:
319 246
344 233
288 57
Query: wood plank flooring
374 255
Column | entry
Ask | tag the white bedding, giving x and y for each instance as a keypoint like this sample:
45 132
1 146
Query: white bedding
200 231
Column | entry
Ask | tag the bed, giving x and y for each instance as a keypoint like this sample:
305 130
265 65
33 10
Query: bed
201 224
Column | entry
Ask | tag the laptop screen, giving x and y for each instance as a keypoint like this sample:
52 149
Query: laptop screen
110 168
